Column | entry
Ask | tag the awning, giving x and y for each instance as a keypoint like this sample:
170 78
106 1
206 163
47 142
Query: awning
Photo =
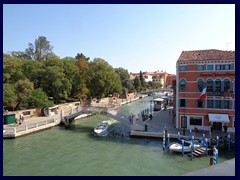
218 118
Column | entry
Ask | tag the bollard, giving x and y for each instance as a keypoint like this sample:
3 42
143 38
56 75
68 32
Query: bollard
211 161
168 135
146 127
215 155
193 142
203 141
206 145
163 140
191 151
229 141
182 147
217 142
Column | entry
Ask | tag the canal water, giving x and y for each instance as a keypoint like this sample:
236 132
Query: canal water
78 152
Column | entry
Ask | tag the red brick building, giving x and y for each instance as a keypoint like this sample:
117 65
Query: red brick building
215 70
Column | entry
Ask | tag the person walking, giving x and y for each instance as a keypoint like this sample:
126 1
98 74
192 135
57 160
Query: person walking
21 118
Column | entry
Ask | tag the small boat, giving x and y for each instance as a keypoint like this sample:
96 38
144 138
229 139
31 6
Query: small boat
177 146
102 128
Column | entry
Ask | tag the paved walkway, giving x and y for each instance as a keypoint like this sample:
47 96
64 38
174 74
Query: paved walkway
164 119
32 120
226 168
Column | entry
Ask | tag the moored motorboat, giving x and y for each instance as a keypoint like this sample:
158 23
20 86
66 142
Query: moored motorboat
177 146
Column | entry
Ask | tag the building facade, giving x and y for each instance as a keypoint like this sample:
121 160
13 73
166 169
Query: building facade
215 70
157 76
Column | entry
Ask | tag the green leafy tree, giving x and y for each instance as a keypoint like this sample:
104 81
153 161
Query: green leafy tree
137 84
125 79
23 88
71 72
19 55
83 66
34 71
9 96
12 70
41 50
104 79
143 83
39 99
79 56
55 83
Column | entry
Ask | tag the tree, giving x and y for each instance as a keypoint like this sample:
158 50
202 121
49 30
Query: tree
9 96
34 71
82 64
40 51
137 84
143 83
103 80
71 72
125 79
19 55
39 99
23 89
55 83
79 56
12 70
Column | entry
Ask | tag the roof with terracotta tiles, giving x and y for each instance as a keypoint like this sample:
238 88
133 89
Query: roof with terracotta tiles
211 54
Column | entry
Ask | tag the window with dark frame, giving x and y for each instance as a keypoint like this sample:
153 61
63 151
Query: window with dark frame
209 103
182 102
218 104
199 104
196 121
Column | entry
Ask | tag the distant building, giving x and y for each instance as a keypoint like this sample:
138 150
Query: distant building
215 70
157 76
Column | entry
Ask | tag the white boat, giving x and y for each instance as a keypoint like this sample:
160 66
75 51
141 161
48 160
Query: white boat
102 128
177 146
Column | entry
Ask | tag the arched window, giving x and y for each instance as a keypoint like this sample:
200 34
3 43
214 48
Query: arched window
233 87
209 85
218 86
182 85
226 85
200 85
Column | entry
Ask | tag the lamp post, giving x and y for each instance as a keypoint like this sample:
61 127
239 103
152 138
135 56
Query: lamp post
210 133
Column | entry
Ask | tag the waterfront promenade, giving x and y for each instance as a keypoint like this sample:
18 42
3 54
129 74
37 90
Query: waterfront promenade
164 119
33 124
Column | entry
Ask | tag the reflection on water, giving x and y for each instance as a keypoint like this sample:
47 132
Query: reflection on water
77 151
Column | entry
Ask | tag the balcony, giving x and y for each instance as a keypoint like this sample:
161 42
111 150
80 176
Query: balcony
220 94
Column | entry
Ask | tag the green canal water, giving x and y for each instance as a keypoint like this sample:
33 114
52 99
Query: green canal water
78 152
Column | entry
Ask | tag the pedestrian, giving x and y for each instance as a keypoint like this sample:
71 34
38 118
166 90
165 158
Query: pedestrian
150 116
166 132
21 118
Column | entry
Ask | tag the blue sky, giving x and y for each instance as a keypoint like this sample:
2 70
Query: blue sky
135 37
